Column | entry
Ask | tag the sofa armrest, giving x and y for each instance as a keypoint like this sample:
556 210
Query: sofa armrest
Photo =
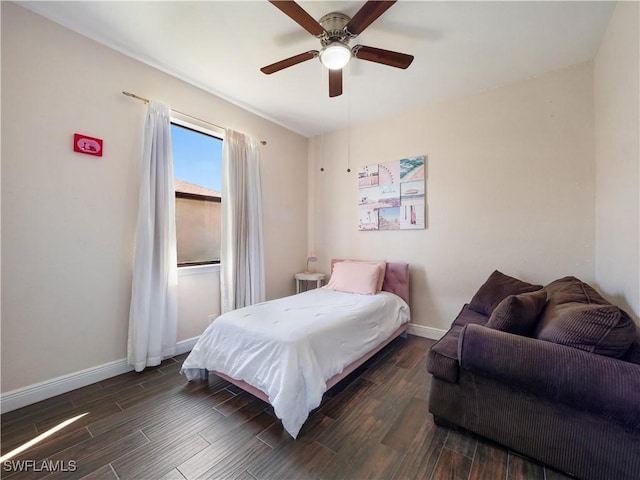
587 381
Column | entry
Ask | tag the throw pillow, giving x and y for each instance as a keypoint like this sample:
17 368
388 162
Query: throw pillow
498 287
602 329
518 314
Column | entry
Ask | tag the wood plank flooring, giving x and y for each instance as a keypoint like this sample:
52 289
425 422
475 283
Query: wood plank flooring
156 425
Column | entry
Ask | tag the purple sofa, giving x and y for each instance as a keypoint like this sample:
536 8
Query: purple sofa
552 373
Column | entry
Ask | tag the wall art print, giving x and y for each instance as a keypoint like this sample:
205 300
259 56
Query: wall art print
391 195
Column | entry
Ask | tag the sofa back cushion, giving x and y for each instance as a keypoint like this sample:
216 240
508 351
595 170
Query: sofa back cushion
518 314
571 289
496 288
578 316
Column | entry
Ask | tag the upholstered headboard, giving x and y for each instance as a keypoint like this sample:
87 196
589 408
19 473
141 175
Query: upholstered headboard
396 278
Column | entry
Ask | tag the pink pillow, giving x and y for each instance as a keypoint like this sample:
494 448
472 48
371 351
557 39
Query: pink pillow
354 277
382 270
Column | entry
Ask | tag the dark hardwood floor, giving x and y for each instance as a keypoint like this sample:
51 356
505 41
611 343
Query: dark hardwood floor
156 425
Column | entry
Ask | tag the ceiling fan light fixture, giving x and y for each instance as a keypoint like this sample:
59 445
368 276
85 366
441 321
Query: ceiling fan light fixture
335 55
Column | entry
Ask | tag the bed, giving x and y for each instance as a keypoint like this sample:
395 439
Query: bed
290 351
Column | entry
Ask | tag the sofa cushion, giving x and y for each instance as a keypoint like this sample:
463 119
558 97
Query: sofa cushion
467 316
442 359
578 316
518 314
496 288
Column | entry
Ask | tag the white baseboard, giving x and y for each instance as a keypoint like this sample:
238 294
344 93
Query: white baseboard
22 397
186 345
427 332
50 388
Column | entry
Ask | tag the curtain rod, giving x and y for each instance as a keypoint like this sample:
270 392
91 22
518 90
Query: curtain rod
146 100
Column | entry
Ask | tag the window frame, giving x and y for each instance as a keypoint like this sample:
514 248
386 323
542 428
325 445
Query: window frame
195 125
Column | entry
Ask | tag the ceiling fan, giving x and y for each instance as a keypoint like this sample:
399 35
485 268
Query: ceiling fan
335 30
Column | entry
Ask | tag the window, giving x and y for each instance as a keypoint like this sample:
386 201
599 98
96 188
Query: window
197 162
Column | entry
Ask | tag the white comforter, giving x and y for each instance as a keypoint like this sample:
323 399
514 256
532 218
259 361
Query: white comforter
290 347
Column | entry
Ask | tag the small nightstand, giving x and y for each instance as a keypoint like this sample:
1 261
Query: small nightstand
309 277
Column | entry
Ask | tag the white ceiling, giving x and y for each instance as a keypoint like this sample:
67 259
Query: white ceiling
459 48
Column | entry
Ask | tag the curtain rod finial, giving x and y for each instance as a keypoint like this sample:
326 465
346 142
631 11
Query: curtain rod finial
132 95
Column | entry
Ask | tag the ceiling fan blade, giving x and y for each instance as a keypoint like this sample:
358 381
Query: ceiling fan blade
300 16
385 57
369 12
335 83
289 62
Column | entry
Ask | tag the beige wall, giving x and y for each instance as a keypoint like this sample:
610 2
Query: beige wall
68 220
617 128
538 179
510 186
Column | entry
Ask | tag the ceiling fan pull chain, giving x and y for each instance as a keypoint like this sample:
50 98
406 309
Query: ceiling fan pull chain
349 118
322 152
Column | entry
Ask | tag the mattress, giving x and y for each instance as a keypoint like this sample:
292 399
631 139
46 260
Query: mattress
290 347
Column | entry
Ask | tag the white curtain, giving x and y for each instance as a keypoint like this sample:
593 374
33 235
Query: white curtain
154 312
242 266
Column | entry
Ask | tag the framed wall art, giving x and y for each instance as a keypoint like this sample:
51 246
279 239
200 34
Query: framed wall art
391 195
